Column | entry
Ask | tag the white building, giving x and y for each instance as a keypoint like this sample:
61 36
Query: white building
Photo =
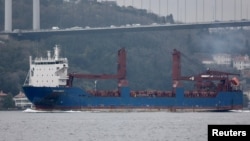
241 62
21 101
222 59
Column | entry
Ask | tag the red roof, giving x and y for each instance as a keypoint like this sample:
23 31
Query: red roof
2 93
20 95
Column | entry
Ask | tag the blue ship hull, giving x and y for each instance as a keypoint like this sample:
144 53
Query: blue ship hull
73 98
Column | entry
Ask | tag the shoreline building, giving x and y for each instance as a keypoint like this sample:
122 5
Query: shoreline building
21 101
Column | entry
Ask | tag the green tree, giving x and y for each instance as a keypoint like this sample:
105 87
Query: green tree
8 102
170 19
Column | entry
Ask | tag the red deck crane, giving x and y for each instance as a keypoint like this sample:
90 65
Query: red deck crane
203 80
120 76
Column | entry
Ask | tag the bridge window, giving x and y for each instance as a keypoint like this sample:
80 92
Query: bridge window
32 73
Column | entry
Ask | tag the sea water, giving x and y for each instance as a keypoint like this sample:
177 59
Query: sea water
32 125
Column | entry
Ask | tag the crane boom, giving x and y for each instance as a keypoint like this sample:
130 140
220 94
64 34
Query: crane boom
203 80
121 72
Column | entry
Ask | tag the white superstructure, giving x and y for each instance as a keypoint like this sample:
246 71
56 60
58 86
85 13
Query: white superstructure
48 72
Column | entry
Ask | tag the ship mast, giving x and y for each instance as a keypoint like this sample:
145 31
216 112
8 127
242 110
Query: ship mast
205 80
120 76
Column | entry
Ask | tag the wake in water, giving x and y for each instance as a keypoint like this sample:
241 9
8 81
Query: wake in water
29 110
240 111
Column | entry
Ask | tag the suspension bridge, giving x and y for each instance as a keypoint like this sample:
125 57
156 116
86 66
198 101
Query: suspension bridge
192 15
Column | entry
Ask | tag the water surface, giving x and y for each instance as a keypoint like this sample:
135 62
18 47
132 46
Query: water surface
113 126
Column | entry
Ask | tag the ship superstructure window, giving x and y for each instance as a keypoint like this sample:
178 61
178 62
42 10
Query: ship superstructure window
48 71
32 73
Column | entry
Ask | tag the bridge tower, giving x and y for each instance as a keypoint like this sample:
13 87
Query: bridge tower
36 14
8 15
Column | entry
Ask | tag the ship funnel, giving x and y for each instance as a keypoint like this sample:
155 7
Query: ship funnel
30 59
49 55
56 52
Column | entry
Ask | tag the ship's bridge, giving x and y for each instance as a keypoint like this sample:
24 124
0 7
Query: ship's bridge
42 61
49 72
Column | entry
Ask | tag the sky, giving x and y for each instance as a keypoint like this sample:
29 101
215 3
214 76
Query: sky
189 11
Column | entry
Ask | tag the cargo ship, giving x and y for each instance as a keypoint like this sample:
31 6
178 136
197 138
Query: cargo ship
49 86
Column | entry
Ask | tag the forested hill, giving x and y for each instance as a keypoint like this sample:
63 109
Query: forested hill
149 58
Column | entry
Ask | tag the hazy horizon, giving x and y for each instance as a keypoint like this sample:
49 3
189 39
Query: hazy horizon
193 10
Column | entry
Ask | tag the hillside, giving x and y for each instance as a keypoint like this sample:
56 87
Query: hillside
149 53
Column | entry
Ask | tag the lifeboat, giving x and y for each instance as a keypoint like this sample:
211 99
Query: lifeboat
235 81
